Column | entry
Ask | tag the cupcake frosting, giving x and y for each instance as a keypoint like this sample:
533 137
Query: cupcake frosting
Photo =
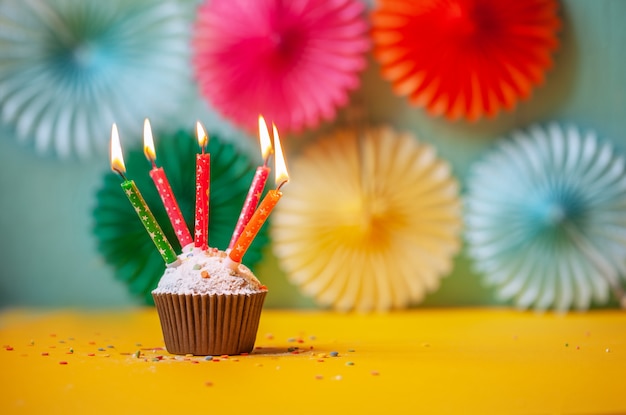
206 272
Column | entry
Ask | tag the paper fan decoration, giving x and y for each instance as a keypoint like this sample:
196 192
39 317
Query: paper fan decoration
369 221
465 58
292 61
70 68
122 239
546 218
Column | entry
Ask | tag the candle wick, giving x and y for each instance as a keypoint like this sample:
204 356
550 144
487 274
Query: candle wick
121 173
281 185
154 166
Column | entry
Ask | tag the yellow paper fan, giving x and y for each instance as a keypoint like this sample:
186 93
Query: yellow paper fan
369 221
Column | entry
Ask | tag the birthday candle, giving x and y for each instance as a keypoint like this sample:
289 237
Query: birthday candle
165 190
265 208
136 199
257 185
203 180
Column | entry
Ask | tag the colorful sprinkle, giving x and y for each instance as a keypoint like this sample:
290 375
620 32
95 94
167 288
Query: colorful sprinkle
8 348
208 383
45 354
101 349
91 354
349 363
319 377
334 354
137 354
375 373
197 266
351 350
63 362
205 274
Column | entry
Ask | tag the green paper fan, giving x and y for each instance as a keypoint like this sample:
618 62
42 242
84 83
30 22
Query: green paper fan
122 239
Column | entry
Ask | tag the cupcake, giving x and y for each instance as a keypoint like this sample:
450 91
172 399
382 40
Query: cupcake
207 308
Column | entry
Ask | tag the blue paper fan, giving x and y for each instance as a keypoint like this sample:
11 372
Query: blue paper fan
546 218
70 68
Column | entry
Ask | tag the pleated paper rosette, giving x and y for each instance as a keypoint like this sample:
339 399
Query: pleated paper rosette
70 68
122 239
545 220
370 220
465 58
295 62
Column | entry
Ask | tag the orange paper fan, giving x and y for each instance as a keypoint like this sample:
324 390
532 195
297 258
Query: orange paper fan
465 58
369 221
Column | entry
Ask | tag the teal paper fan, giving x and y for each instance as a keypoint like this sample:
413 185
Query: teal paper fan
546 218
70 68
122 239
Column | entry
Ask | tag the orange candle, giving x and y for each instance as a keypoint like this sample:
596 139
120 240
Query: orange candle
265 208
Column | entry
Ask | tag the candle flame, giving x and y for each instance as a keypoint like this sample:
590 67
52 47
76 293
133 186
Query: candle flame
117 160
203 138
148 142
264 138
280 167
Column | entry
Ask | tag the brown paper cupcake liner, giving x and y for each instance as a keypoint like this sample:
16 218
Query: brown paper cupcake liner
209 324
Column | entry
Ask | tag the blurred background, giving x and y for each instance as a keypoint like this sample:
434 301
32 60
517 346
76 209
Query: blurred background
49 253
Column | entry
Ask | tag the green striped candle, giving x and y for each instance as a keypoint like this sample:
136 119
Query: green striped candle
149 222
138 202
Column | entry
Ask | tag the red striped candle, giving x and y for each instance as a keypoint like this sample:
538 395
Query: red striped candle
203 179
257 185
165 190
265 208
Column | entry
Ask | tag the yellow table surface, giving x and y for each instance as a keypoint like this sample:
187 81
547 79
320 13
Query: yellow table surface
435 361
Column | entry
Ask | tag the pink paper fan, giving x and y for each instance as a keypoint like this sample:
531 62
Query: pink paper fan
465 58
292 61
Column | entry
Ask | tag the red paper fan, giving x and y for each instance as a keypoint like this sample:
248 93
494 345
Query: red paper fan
465 58
292 61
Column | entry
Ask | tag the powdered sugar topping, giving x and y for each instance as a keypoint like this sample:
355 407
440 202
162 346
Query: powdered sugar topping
205 272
